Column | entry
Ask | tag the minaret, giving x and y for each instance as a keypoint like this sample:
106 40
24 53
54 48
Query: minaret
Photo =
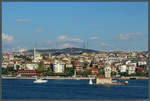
87 44
49 55
74 72
34 54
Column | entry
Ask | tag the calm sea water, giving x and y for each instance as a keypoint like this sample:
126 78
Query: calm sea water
71 89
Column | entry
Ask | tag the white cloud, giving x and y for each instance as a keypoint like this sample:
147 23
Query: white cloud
22 20
94 38
67 39
62 38
75 40
105 44
67 45
130 36
40 31
7 38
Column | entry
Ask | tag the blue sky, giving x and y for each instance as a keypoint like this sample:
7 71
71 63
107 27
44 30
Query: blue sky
103 25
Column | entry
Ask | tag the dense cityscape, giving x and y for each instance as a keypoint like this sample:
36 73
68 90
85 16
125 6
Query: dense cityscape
34 63
75 50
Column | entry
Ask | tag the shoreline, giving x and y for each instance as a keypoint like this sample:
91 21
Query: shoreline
75 78
50 78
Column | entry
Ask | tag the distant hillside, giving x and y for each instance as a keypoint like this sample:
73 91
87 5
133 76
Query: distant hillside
65 51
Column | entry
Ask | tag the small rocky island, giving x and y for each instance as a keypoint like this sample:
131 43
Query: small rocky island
107 79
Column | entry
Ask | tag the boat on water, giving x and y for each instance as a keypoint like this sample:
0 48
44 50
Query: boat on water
90 82
40 80
126 83
120 83
113 83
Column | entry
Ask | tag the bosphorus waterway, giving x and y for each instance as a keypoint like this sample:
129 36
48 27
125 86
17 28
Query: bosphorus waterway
71 89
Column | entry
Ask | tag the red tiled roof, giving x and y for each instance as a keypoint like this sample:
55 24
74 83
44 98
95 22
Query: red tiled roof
10 64
28 62
27 71
38 74
101 77
94 69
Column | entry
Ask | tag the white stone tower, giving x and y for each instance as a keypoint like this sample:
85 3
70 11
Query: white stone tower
107 69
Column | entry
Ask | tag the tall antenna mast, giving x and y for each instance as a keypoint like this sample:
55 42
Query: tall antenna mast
56 45
34 52
84 44
87 44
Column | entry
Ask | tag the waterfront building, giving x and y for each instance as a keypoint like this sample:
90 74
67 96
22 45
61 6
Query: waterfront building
94 71
122 68
106 79
10 56
69 65
4 65
79 68
81 62
31 66
114 69
59 66
28 73
131 69
65 60
142 63
140 70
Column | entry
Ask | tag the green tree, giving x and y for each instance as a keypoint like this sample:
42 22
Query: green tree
48 73
4 71
85 64
113 73
86 73
79 73
69 71
101 73
133 74
141 74
17 68
124 74
49 69
13 73
40 68
10 68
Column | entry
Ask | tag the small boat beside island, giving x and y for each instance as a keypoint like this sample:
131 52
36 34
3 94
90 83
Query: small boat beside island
120 83
113 82
106 79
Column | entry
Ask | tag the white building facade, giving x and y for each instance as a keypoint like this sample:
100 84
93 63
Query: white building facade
59 66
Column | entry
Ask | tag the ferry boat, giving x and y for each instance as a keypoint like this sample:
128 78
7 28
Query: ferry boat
39 80
119 83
